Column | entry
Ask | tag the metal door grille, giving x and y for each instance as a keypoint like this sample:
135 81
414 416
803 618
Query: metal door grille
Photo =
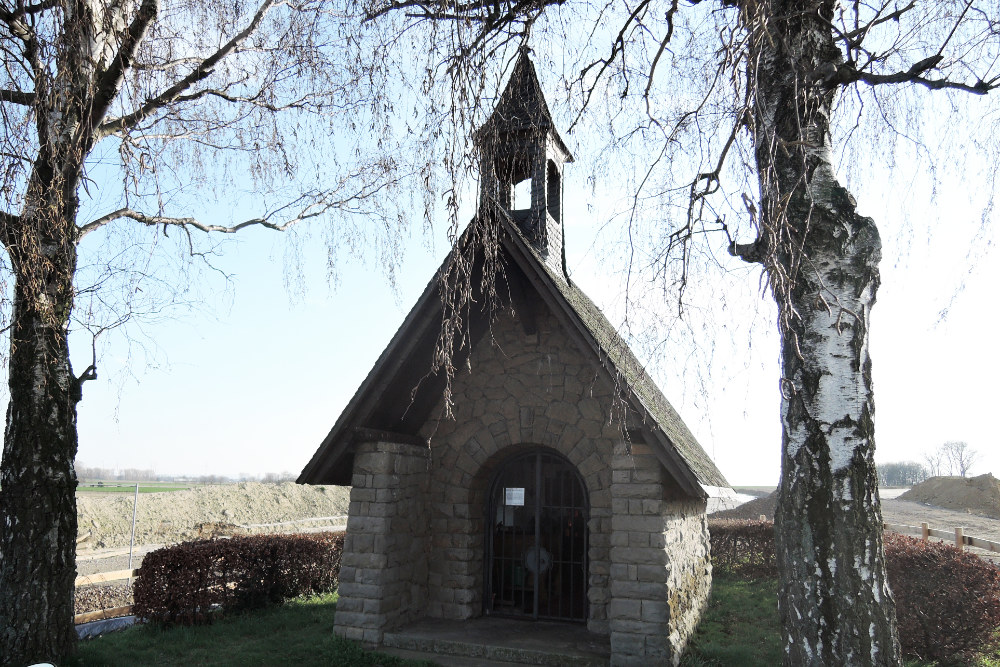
537 539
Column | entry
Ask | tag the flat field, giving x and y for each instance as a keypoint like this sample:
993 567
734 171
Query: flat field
129 487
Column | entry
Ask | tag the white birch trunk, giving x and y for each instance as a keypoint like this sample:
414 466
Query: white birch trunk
822 262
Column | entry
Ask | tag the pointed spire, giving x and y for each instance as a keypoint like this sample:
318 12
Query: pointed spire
522 108
518 143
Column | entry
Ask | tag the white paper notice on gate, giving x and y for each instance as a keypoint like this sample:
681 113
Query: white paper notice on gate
513 496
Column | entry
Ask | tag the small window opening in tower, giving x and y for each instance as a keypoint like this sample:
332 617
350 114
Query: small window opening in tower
522 195
554 193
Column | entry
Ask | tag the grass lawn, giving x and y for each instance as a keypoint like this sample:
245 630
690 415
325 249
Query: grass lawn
300 632
125 487
740 629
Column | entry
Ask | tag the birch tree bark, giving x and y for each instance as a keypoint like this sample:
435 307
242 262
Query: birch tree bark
250 88
37 481
775 69
822 260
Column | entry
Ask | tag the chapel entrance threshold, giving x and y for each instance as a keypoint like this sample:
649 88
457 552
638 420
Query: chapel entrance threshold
490 641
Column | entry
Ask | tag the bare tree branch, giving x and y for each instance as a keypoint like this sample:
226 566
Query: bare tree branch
862 32
310 205
846 74
201 72
17 97
8 16
111 80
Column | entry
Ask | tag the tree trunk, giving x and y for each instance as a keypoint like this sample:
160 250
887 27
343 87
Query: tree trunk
37 479
822 262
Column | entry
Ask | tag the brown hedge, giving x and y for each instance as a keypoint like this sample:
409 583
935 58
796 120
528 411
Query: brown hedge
743 548
947 600
184 583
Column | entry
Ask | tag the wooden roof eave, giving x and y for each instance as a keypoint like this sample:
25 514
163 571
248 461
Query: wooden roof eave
340 440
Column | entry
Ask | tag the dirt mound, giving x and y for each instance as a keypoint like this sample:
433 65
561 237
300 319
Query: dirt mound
161 518
751 510
976 495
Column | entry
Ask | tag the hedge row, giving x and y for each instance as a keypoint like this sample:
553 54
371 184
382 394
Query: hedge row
947 600
184 583
743 548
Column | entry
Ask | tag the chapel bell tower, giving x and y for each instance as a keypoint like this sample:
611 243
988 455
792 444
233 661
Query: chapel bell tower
522 158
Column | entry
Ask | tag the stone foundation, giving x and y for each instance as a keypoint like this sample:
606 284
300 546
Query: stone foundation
383 570
416 532
661 570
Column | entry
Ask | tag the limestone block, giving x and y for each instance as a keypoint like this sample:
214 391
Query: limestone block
640 628
650 573
623 609
563 412
637 590
637 555
349 605
346 631
637 523
635 490
374 463
590 408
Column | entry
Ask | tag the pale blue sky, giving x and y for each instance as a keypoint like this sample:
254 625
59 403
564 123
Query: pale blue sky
253 387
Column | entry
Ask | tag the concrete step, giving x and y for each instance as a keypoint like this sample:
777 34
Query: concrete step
496 642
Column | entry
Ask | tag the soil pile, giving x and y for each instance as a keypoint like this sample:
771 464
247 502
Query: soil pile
105 520
752 510
976 495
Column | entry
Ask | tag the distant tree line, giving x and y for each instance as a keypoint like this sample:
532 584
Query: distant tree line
87 473
951 458
902 473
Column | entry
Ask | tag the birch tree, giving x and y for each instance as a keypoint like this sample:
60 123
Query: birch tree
748 91
128 109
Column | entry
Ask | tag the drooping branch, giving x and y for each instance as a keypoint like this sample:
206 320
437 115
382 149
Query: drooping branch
198 74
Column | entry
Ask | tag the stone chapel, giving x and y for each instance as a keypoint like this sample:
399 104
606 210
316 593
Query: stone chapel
565 489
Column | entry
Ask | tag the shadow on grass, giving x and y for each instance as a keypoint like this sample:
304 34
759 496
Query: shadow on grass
740 626
300 632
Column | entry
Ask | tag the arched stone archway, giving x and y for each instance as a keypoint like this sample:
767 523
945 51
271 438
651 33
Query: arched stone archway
536 538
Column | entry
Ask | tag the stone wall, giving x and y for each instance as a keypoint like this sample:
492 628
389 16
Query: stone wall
416 545
661 568
524 390
383 571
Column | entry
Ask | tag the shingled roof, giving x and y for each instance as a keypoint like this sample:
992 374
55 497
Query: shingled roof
522 109
386 404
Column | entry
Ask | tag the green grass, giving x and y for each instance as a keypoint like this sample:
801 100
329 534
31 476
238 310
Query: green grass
300 632
740 627
144 487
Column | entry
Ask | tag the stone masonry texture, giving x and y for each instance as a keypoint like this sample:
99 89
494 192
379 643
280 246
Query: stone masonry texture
415 538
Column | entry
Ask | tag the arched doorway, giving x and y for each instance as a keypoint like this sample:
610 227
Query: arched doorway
536 538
